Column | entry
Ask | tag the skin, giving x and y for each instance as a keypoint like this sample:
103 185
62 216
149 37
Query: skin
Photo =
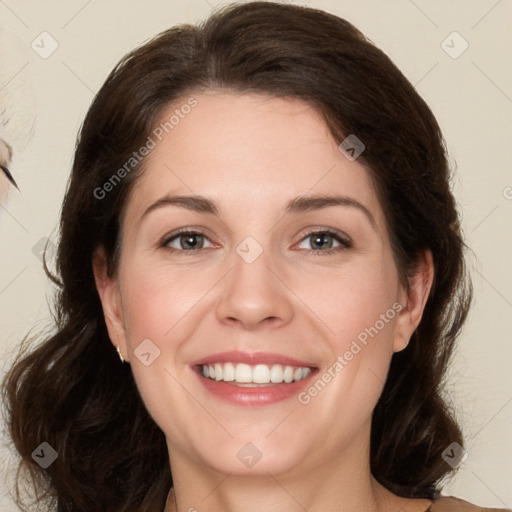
250 155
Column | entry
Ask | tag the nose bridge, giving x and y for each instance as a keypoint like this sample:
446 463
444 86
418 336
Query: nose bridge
251 267
251 292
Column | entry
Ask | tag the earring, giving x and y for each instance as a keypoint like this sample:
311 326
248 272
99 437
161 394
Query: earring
120 355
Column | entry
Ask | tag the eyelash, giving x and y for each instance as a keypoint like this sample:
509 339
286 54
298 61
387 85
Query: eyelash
345 243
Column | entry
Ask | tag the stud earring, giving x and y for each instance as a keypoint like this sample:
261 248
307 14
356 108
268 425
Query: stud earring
120 355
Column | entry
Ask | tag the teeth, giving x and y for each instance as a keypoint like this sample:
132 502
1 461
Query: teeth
261 374
218 371
228 372
257 374
288 374
243 373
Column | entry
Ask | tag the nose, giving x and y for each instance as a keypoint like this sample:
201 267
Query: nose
254 296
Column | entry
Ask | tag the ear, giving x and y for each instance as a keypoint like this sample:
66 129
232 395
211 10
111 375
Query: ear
414 301
110 296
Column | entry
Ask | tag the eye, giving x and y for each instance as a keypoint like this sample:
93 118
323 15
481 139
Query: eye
185 241
320 242
324 242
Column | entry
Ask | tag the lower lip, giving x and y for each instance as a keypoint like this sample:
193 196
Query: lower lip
257 395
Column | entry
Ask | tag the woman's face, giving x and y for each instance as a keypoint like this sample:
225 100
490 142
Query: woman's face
287 285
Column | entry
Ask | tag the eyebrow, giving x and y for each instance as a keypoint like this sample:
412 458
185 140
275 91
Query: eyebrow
301 204
306 204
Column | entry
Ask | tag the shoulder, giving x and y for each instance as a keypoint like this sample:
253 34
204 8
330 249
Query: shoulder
451 504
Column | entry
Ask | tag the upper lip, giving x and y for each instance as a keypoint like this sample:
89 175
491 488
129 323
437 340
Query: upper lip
251 358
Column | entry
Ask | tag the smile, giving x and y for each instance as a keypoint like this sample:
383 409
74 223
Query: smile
254 375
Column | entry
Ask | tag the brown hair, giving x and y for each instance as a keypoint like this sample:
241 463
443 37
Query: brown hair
72 392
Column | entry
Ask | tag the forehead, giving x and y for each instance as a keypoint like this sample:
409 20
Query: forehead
247 131
248 150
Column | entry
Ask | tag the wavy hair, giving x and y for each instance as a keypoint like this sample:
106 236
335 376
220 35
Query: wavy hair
72 392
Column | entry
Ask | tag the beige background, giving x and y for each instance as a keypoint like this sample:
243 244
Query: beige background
471 96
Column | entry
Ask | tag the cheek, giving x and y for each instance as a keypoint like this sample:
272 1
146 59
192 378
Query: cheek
154 302
354 301
164 306
359 307
156 299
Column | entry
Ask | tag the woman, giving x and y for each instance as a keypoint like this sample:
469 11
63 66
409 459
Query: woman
257 370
